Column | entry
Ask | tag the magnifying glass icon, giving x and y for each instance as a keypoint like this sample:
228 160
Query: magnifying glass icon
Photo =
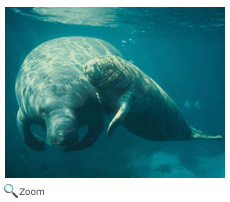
10 189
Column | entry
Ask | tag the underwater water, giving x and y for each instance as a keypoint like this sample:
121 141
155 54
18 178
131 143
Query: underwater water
182 49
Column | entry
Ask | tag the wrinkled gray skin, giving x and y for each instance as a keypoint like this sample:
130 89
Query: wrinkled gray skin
52 91
138 102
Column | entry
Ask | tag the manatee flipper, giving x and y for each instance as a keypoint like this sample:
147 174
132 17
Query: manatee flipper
125 103
95 129
32 140
197 134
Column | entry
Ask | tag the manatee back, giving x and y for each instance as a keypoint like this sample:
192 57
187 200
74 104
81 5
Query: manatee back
57 66
67 51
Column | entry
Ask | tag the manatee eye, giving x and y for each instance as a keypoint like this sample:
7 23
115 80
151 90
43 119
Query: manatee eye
44 111
85 69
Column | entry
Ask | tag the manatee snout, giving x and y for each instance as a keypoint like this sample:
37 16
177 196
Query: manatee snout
62 128
92 71
63 138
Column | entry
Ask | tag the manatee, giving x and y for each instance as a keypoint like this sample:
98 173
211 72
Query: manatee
53 92
138 102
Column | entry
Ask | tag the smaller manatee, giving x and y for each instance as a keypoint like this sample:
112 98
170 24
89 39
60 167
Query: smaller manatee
138 102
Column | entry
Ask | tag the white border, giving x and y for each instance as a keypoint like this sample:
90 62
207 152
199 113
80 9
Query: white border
117 189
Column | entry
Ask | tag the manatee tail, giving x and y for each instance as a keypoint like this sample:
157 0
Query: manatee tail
197 134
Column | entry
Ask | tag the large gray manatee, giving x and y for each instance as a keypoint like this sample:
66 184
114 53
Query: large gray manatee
52 91
138 102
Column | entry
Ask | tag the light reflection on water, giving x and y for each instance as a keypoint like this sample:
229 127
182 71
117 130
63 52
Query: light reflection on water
145 19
